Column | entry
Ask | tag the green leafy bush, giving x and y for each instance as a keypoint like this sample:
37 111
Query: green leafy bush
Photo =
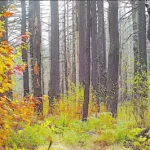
30 136
102 131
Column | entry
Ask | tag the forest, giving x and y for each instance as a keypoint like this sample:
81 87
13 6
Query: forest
75 75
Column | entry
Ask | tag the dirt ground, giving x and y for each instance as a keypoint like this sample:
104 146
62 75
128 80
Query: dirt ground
63 147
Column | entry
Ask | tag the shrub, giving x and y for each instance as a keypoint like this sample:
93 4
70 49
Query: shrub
29 137
71 103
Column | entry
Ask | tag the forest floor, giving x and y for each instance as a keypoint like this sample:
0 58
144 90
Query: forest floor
59 146
66 132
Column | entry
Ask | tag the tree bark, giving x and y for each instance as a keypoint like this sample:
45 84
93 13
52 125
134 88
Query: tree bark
24 51
142 36
77 41
87 66
94 45
3 8
65 49
139 47
135 36
73 44
101 53
35 49
82 26
54 86
148 31
113 58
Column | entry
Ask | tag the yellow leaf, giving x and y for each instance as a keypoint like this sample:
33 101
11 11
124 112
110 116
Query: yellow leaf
1 90
36 68
1 34
45 105
1 79
1 68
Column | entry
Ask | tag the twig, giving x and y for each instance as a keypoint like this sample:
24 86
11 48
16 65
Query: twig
50 144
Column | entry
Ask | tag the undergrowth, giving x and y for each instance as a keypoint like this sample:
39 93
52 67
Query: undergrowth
102 131
65 126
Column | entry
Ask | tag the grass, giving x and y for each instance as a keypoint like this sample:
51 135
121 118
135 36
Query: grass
101 132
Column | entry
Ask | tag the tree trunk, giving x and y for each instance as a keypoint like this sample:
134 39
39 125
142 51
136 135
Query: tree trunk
139 47
24 51
101 53
54 86
87 66
142 53
142 36
148 32
135 36
82 26
113 58
73 44
94 45
3 8
65 49
68 44
77 41
35 49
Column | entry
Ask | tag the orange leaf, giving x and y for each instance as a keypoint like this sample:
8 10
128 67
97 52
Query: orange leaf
4 42
24 67
1 34
36 68
25 36
10 50
8 14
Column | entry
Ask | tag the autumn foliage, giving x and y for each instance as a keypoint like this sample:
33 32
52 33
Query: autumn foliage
70 104
13 113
